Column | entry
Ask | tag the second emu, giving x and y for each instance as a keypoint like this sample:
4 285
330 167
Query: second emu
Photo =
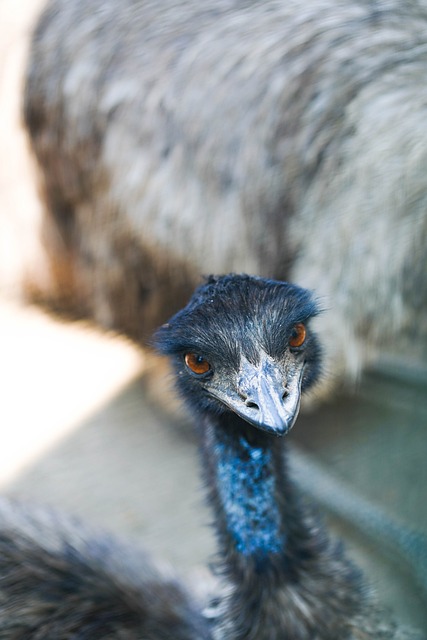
286 139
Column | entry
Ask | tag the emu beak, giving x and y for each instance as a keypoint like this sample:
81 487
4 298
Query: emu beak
267 397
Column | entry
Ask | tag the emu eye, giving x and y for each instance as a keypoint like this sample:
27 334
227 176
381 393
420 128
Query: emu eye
197 364
298 335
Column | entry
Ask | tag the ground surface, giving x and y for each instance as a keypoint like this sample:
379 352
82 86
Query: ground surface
77 428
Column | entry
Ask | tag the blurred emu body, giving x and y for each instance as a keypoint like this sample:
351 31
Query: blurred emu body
284 139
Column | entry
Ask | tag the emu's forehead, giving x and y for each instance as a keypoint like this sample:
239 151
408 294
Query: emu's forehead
254 317
237 315
253 299
244 333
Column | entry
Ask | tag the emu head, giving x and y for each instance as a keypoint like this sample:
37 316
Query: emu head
244 344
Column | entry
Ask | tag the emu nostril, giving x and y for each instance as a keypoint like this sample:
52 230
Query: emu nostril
285 394
251 403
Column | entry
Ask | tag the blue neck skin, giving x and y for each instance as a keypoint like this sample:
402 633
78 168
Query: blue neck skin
246 478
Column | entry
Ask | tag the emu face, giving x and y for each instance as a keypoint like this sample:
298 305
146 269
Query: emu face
244 344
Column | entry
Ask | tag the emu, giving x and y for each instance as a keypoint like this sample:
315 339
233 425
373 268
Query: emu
243 351
282 139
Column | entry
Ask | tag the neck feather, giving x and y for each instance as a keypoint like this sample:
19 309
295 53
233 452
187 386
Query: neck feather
248 491
285 577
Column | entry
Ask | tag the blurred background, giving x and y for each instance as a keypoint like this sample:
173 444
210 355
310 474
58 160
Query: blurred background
80 428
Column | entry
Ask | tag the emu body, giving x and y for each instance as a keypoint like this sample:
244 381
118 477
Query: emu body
285 139
61 580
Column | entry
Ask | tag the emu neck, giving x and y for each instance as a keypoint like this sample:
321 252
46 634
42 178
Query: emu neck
248 492
285 579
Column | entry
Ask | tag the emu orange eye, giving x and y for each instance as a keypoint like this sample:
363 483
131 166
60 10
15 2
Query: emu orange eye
197 364
298 335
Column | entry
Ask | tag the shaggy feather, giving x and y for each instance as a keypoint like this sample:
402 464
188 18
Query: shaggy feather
284 139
